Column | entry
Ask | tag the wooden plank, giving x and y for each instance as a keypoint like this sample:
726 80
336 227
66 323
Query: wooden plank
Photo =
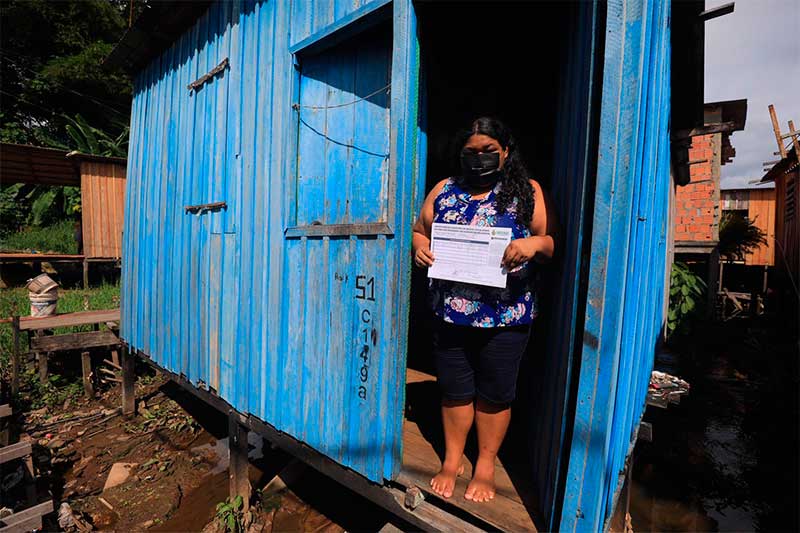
21 521
420 464
128 364
507 511
5 410
14 451
15 356
86 367
74 341
777 130
715 12
78 318
38 257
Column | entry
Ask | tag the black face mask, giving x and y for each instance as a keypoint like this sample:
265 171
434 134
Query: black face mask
480 170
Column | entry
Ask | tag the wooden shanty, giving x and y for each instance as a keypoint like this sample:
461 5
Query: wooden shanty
785 173
758 205
102 183
279 152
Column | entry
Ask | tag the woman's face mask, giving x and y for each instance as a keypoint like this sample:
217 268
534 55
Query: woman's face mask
480 169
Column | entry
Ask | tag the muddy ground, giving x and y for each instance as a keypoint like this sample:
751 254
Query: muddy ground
168 465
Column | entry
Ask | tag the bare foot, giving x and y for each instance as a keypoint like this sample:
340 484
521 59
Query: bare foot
481 488
444 482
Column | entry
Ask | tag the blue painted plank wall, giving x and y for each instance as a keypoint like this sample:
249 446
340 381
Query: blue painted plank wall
626 270
272 324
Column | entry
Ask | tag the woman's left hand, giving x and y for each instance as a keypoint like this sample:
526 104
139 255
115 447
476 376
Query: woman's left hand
519 251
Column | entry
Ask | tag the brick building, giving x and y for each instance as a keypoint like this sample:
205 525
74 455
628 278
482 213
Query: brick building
696 208
697 203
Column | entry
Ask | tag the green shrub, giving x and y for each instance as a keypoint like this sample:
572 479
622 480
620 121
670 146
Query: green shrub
15 302
685 294
58 238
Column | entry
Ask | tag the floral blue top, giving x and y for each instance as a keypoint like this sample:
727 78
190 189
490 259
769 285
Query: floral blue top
479 306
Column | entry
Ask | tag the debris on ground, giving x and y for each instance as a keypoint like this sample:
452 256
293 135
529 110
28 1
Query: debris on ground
165 469
665 389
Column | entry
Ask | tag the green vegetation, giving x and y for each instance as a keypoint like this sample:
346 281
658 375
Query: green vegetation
51 394
229 514
738 236
52 68
15 302
685 293
58 238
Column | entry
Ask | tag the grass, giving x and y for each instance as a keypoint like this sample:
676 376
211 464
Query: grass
15 302
58 238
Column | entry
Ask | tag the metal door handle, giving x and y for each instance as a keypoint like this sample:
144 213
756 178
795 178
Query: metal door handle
213 206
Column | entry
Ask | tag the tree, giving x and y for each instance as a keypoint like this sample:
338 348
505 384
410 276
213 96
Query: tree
51 69
738 236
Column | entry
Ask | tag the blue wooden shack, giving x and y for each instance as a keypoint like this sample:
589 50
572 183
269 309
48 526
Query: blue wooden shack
279 153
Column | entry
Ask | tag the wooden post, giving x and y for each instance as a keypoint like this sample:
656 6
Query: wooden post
115 357
237 471
15 356
795 142
86 364
85 274
43 357
777 130
128 365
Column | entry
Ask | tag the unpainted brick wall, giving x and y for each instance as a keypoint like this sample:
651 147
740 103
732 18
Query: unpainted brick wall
697 203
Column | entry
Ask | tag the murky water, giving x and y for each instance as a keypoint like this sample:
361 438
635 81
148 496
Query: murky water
725 459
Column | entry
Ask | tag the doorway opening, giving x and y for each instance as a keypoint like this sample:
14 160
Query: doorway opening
483 59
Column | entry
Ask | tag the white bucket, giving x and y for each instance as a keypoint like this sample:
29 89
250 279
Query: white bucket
41 284
43 304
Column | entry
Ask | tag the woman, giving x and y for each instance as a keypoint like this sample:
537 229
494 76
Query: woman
481 332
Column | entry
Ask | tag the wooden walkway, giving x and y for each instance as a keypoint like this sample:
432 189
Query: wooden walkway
511 509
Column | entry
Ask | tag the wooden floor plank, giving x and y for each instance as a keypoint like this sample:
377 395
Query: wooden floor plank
69 319
421 462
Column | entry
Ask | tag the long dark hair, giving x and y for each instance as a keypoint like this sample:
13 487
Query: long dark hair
515 177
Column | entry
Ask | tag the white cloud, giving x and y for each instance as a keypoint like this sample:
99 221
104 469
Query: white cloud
754 53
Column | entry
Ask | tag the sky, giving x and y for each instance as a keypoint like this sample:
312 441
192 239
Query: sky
754 53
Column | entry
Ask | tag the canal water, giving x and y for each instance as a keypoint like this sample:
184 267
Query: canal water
726 457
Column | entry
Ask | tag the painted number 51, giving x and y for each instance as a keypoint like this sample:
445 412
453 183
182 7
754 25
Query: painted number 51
365 288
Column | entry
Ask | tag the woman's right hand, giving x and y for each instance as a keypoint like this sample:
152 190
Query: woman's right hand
423 257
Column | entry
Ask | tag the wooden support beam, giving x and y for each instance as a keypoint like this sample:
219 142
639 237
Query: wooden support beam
238 464
78 318
721 127
777 130
15 356
74 341
85 274
86 366
128 365
714 12
14 451
795 142
27 520
43 359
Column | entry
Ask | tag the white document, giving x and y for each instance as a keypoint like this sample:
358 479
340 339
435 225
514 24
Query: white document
470 254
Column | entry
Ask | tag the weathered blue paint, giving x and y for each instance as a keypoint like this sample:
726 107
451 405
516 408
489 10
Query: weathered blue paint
274 324
270 316
625 291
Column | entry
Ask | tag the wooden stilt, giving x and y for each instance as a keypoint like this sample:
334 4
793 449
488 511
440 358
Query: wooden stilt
237 473
128 378
15 356
115 358
85 274
43 359
86 363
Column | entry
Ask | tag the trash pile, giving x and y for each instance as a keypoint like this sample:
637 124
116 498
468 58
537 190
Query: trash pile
665 389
